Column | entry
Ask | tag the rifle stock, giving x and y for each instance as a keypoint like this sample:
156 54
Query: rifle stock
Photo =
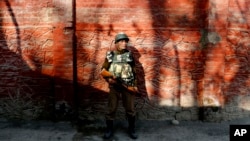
105 73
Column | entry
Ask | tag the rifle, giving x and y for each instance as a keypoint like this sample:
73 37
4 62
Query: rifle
104 73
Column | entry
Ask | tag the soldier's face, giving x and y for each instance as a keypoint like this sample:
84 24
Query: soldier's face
122 44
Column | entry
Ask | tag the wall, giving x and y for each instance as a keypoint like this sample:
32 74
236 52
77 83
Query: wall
192 56
36 56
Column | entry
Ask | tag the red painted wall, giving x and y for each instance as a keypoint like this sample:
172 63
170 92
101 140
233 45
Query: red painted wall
36 53
189 53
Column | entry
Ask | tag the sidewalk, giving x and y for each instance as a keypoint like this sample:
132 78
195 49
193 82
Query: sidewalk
93 131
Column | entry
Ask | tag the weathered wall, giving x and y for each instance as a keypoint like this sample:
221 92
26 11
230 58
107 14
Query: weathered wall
192 56
185 54
36 55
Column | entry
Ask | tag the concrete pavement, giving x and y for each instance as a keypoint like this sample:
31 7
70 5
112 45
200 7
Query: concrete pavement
93 131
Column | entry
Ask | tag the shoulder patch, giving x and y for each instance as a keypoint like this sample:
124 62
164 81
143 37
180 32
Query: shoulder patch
109 56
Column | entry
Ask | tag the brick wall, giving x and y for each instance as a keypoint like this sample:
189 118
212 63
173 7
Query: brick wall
36 54
192 56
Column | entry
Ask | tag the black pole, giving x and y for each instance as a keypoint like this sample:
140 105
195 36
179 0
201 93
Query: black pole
74 51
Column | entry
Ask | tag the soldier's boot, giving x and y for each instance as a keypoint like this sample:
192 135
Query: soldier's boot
131 127
109 131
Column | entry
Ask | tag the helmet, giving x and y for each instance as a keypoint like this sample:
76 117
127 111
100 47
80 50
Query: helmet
121 36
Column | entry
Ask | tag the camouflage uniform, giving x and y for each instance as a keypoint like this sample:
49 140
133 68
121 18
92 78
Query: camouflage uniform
121 64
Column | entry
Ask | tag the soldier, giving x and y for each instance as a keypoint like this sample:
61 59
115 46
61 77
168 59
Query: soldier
119 71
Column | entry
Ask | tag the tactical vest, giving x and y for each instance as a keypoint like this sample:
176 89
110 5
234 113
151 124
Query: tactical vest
120 67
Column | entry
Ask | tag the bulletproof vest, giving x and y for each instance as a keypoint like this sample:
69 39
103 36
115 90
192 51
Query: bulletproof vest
120 67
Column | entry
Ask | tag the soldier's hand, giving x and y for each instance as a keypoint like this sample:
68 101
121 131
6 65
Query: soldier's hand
111 80
133 89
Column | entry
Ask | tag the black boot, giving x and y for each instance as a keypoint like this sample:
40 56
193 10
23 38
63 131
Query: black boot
109 131
131 127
